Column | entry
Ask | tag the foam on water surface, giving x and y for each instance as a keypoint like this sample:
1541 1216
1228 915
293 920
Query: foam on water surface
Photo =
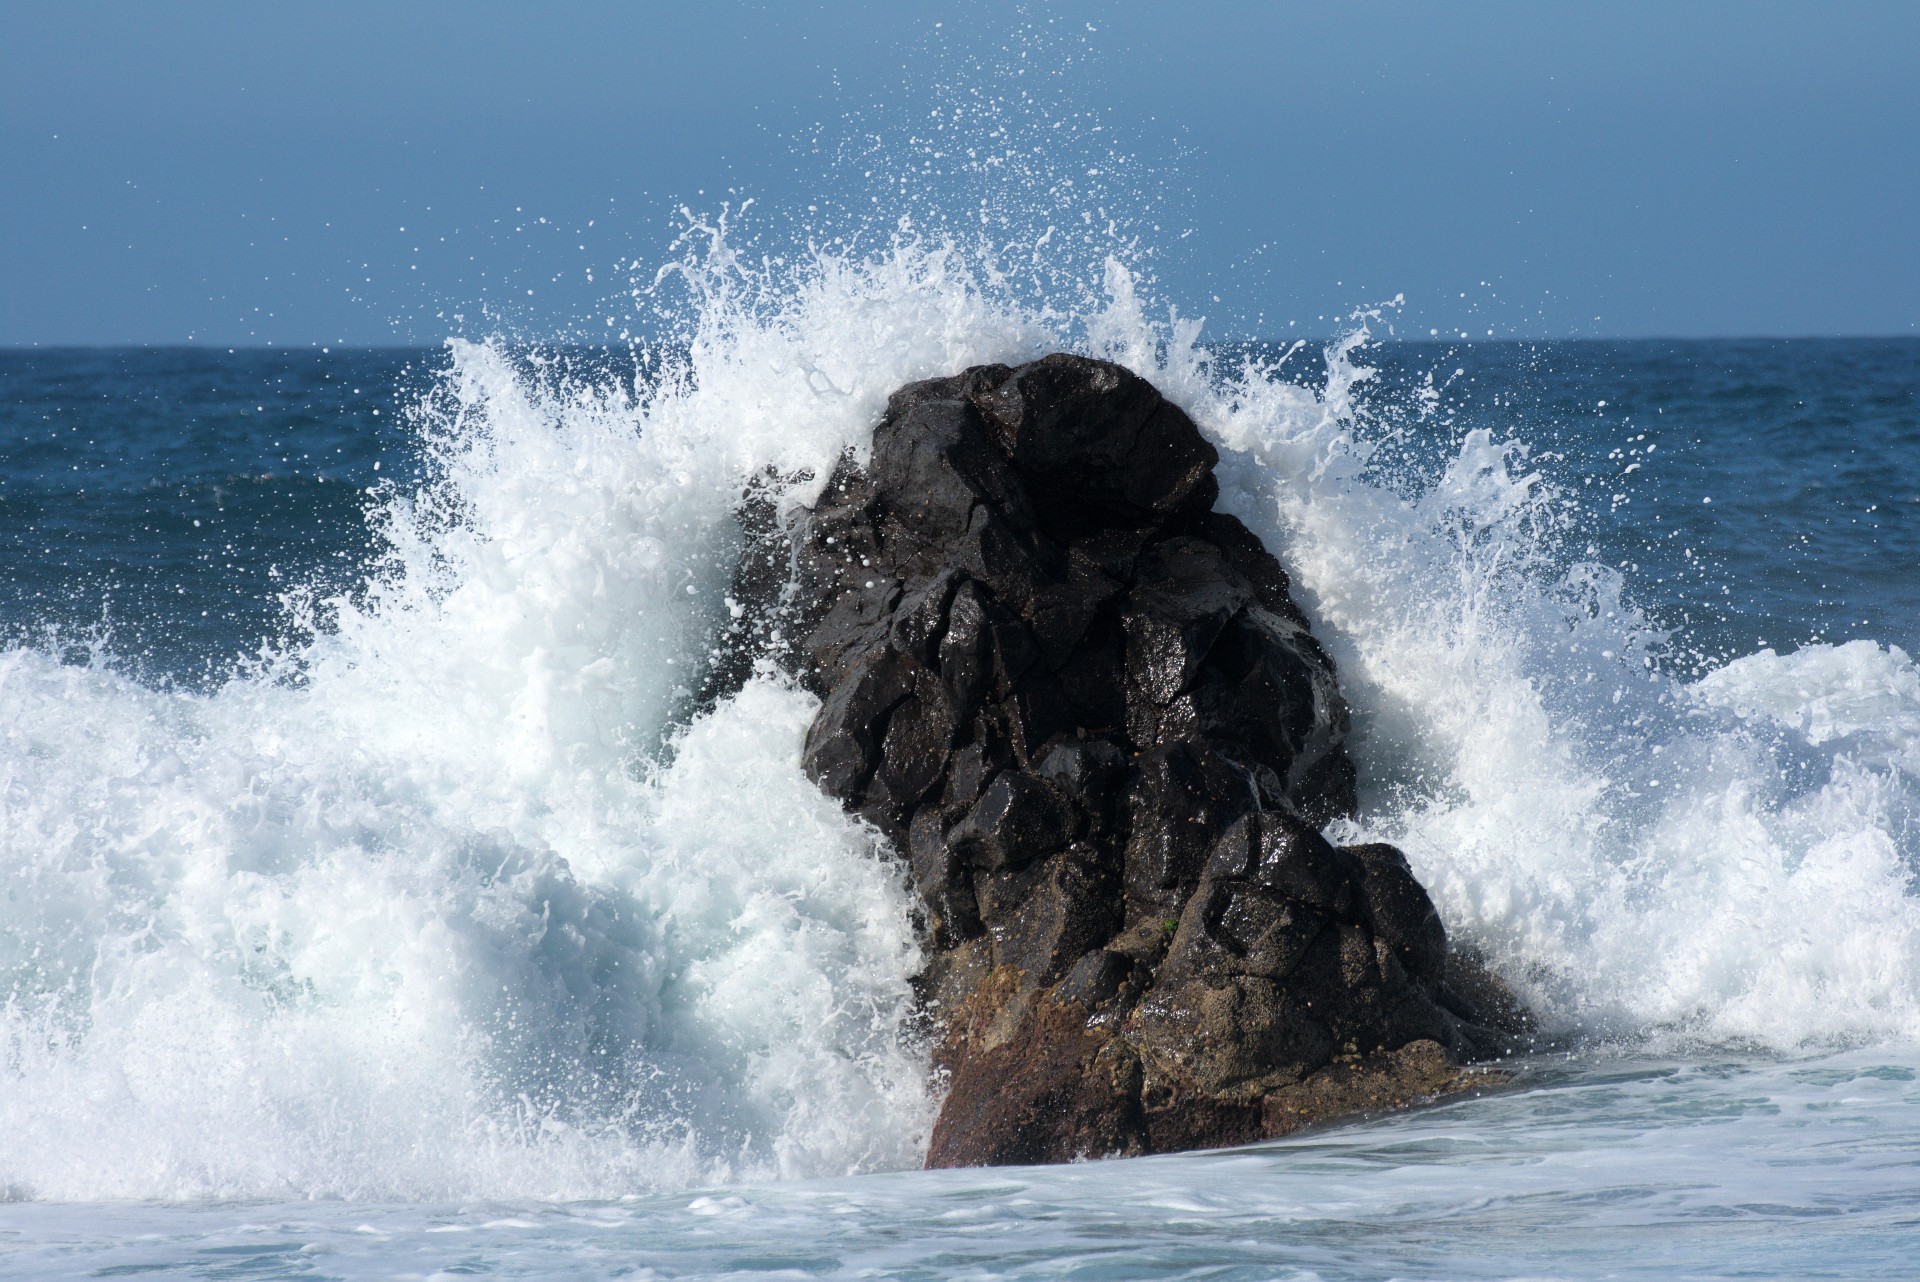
1643 1169
466 897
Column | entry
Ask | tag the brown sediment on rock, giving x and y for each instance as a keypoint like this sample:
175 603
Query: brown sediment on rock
1086 709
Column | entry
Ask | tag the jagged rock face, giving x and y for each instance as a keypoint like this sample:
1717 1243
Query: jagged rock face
1085 707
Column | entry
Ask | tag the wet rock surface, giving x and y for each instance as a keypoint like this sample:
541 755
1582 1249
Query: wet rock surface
1085 708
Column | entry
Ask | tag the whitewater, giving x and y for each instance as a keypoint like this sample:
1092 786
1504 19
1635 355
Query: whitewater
457 914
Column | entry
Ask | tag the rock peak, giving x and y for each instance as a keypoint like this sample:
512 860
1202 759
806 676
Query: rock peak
1085 707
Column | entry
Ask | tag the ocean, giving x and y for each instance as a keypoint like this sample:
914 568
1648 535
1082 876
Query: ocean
377 900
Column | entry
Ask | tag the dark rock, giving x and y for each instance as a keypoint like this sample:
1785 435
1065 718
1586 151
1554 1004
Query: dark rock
1288 857
1088 710
1399 910
1236 928
1018 819
1232 1039
920 620
1096 979
1184 595
1047 919
1047 1087
969 771
1183 794
1101 441
844 742
1355 1085
944 879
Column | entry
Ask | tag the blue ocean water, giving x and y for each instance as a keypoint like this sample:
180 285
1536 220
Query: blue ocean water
162 501
377 904
1754 491
114 454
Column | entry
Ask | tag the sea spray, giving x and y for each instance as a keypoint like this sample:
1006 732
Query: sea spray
450 900
1646 859
461 898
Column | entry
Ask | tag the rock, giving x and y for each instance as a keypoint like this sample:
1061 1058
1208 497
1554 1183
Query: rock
1087 709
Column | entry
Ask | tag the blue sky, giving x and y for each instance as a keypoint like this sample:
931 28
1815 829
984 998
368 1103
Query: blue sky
242 173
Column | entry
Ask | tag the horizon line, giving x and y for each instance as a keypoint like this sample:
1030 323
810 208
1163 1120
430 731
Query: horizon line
1378 340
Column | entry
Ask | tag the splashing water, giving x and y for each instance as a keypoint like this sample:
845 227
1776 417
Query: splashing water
461 898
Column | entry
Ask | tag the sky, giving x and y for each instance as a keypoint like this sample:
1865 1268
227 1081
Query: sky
376 173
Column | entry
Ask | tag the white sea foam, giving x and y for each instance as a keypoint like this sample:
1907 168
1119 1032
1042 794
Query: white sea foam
426 908
1723 862
462 899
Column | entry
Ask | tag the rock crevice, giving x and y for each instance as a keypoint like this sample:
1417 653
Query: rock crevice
1085 707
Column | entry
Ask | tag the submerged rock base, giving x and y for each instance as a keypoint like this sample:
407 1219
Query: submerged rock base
1086 708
